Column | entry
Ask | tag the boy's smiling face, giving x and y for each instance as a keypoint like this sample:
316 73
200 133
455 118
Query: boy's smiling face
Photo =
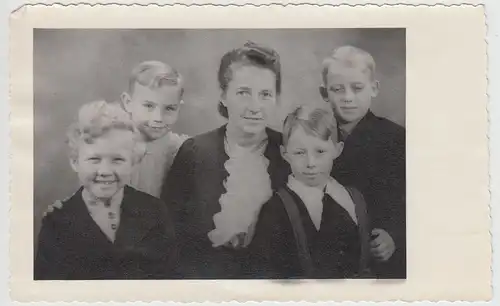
310 157
349 90
154 110
104 164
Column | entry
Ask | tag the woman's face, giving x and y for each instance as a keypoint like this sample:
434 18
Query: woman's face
250 98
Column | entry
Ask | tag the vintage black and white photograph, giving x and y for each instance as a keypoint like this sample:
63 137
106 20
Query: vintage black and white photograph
249 154
219 154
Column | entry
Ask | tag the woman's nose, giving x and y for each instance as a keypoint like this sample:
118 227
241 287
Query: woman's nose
255 104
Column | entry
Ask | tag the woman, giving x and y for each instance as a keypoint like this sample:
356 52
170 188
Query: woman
219 180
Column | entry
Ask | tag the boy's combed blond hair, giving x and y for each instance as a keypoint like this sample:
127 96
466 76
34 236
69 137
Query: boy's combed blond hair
155 74
351 57
97 118
315 121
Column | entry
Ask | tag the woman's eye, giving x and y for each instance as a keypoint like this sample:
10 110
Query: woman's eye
298 153
358 88
336 89
321 151
94 159
170 109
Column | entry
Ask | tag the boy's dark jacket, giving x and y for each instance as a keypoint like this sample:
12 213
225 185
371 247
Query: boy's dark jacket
373 161
73 247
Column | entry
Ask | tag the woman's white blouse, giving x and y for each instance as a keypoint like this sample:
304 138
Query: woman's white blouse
248 187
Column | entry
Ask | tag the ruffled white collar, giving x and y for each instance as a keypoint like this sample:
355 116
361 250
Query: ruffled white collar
313 198
248 187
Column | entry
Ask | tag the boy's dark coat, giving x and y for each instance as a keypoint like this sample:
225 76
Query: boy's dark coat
373 161
73 247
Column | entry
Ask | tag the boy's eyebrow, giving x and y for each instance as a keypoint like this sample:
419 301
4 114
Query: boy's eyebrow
115 155
175 104
149 101
244 87
93 155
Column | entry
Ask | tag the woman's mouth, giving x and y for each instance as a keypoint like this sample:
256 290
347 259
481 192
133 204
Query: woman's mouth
253 118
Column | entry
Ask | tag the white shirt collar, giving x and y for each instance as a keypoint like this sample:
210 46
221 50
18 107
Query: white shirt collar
338 192
313 198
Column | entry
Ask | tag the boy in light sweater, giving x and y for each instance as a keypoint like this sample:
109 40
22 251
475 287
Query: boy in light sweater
152 99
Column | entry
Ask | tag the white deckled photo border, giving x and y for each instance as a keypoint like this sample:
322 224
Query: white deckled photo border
440 86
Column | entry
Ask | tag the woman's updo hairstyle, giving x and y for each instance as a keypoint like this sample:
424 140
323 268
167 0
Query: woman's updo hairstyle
251 54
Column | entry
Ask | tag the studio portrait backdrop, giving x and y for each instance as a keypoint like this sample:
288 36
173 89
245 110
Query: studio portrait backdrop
74 66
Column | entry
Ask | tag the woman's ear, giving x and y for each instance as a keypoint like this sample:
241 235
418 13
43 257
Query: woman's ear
324 93
283 153
222 99
125 100
222 96
375 88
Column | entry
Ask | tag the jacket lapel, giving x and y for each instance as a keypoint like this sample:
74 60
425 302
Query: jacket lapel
353 155
221 155
307 222
358 135
135 220
84 227
278 169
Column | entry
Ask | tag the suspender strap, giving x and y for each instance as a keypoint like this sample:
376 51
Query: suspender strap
298 231
364 230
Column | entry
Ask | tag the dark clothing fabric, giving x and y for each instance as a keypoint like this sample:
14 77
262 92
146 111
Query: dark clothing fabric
73 247
192 190
335 248
373 161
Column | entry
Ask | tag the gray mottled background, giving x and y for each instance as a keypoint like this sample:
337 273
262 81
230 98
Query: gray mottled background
72 67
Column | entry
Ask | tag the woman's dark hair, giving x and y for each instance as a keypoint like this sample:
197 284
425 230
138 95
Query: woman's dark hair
250 54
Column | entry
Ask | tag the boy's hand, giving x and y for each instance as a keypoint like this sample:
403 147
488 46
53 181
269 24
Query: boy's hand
56 205
382 246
